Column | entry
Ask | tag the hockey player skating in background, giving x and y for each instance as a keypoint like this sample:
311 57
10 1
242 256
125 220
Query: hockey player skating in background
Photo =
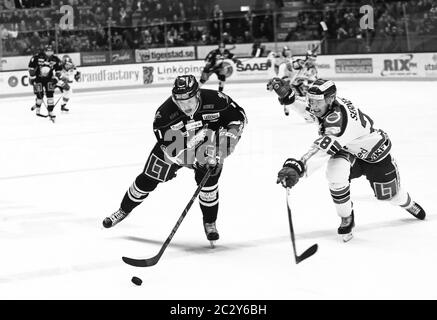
44 67
281 62
68 73
195 128
351 146
215 63
302 73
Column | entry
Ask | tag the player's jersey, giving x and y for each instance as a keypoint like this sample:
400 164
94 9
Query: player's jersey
215 58
305 68
348 129
176 132
44 67
68 73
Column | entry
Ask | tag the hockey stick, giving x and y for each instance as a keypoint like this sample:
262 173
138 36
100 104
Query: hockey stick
308 252
154 260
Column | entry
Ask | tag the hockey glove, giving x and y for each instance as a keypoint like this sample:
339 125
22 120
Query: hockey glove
207 163
32 80
281 87
290 173
77 76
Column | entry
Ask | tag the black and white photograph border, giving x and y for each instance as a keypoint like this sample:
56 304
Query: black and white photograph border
320 115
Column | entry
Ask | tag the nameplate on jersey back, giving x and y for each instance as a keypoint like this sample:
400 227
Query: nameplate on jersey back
211 116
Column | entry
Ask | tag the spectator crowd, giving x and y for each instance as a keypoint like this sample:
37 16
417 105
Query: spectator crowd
141 24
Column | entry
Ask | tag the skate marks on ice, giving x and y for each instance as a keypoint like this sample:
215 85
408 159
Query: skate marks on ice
185 248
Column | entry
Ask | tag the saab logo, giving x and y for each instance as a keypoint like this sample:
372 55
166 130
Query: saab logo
208 106
177 126
211 116
193 125
147 75
401 66
252 67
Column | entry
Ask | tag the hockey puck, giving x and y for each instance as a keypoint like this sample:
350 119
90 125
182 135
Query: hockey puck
137 281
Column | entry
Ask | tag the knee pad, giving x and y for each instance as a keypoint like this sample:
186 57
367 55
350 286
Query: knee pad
66 95
208 196
38 101
338 171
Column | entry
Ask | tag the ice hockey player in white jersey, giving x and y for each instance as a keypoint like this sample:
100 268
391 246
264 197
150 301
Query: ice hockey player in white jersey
68 73
352 147
281 62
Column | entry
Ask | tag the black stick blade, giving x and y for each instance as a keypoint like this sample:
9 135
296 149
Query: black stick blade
141 262
308 253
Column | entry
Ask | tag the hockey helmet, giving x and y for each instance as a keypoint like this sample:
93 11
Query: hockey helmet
286 52
48 50
186 93
67 62
222 47
320 96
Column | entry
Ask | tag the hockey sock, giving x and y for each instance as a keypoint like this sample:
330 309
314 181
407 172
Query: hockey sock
50 104
402 199
221 86
209 201
137 192
342 200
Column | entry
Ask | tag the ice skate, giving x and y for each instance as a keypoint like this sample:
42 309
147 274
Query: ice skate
346 226
38 112
64 108
211 233
114 218
417 211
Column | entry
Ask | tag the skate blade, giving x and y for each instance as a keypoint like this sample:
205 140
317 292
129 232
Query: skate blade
347 237
212 244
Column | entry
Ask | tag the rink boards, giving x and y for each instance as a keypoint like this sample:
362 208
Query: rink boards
419 66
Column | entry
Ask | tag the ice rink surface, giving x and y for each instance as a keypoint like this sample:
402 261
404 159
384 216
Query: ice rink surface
58 182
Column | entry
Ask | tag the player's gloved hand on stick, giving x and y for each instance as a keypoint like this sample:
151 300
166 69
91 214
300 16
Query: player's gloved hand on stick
31 80
290 173
209 162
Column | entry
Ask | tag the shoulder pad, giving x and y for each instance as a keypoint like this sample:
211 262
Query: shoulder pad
333 123
214 100
166 114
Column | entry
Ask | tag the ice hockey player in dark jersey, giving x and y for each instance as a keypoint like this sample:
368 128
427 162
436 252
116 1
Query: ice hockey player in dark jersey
68 73
351 146
195 128
44 68
215 63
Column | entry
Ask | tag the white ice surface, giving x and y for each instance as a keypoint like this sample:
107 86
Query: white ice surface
58 181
